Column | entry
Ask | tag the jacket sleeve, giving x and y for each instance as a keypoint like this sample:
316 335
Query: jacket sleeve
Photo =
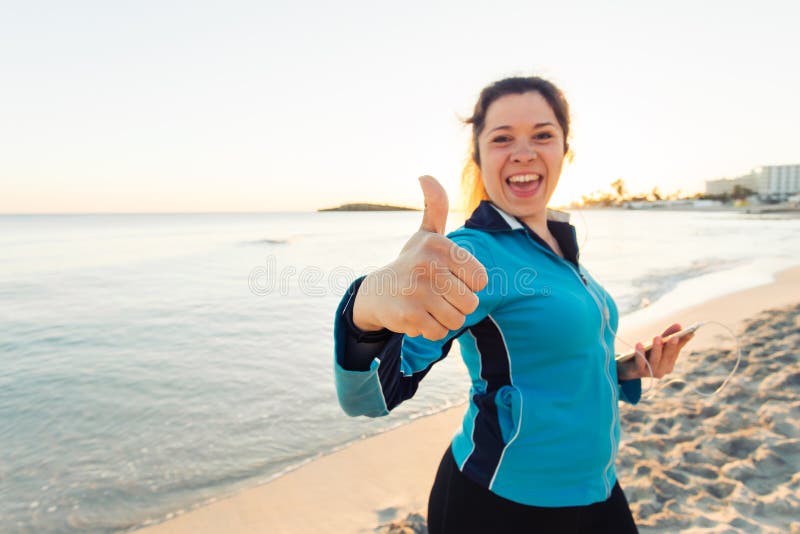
630 391
401 361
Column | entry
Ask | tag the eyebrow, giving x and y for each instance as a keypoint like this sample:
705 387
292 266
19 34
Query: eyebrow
506 127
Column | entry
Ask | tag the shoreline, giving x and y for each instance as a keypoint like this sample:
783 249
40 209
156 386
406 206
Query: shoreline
355 488
754 209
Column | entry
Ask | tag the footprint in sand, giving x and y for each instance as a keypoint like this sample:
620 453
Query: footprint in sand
701 470
720 490
738 447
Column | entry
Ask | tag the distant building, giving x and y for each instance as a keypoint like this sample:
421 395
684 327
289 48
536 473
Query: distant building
770 182
724 186
778 182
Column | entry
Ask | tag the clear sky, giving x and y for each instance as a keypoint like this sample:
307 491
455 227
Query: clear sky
260 105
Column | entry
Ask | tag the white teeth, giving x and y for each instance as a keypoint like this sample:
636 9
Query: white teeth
521 178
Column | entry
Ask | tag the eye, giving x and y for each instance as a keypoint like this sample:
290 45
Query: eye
501 139
543 136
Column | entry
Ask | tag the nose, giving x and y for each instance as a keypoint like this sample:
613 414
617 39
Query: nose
523 153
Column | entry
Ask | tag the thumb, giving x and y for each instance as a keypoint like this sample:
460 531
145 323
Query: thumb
434 217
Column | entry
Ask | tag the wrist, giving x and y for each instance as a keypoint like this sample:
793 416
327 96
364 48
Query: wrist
363 319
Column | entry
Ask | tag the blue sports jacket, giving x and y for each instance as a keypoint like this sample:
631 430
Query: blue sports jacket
542 424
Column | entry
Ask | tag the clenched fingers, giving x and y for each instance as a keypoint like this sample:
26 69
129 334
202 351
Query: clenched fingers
432 329
416 321
445 314
431 317
467 268
453 290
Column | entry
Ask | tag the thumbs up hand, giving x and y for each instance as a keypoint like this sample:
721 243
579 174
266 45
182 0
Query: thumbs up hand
430 288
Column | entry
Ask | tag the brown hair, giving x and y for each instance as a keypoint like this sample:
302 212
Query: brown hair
471 181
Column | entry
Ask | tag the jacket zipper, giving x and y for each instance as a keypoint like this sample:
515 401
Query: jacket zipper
603 319
582 278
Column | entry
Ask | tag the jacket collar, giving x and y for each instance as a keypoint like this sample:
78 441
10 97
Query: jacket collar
489 218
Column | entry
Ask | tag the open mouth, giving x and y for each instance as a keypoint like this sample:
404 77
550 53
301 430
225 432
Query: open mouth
524 185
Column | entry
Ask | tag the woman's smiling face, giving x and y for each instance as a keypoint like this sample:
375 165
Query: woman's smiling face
521 153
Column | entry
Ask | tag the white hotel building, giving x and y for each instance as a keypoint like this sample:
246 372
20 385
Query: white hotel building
770 182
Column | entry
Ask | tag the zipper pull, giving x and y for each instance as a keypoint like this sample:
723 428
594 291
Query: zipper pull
583 279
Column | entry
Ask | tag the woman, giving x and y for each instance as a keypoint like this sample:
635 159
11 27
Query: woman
538 443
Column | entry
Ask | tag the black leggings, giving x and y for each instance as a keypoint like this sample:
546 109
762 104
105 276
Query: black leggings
459 505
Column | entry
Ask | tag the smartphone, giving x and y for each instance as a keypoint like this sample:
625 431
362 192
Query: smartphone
685 332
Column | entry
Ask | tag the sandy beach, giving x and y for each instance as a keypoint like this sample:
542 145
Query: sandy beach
728 463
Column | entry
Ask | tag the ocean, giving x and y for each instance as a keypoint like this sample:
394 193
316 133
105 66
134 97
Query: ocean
152 363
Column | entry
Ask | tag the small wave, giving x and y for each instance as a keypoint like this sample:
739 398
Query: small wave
265 241
655 284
